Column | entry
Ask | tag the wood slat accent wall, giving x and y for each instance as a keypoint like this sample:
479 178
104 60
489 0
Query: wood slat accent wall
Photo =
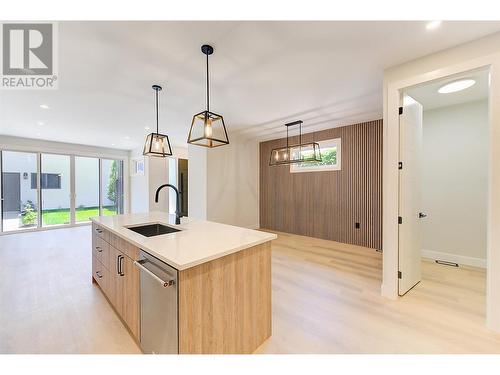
328 204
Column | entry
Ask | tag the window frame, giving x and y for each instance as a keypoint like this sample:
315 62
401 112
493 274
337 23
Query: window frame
46 180
327 143
124 163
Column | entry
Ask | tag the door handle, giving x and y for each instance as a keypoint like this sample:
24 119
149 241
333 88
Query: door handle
421 215
98 249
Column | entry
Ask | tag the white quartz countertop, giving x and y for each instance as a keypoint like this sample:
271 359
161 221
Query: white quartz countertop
198 241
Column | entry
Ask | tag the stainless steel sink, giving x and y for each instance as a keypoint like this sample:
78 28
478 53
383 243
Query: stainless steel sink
150 230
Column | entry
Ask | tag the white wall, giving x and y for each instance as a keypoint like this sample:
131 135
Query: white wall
233 183
224 183
455 180
156 173
197 180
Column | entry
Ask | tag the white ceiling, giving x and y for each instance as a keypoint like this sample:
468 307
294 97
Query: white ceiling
430 98
262 74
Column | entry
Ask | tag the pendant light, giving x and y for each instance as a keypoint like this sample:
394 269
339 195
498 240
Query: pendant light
157 144
208 128
299 153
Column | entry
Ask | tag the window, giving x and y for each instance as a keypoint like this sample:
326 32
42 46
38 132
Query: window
45 189
55 189
19 202
86 188
49 181
112 187
330 155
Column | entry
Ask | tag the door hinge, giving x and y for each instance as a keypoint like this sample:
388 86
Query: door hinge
400 110
400 275
400 220
400 165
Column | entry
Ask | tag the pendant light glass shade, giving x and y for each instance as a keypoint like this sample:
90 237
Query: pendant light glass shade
306 152
299 153
208 128
157 144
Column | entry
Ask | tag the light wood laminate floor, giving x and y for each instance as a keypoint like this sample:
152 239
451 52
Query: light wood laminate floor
326 299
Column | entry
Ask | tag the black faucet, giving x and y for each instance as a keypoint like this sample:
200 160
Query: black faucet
178 214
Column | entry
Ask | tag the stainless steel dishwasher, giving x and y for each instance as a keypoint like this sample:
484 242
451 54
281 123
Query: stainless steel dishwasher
159 313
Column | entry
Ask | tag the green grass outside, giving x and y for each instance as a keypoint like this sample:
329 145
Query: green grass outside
62 216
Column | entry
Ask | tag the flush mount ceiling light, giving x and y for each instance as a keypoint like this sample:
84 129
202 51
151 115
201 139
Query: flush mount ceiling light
456 86
299 153
433 25
208 128
157 144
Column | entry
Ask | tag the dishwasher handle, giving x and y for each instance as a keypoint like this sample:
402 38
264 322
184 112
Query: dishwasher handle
166 284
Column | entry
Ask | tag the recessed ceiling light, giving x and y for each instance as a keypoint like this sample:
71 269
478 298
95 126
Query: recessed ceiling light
433 25
456 86
113 144
39 123
147 127
44 106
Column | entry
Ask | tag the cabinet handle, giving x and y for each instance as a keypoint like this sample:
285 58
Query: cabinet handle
98 249
120 265
98 230
98 274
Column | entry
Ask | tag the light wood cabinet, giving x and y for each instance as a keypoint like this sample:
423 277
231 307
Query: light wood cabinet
114 271
224 305
130 287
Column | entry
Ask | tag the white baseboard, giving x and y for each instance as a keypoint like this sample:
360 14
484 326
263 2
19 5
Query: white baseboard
460 259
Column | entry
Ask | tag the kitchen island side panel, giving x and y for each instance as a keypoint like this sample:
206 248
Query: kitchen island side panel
225 304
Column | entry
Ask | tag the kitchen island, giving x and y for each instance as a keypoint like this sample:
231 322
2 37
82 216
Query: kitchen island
220 284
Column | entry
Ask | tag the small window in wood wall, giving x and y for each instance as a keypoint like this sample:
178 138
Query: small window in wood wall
330 158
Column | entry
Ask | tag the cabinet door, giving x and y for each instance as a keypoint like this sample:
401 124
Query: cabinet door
115 280
130 296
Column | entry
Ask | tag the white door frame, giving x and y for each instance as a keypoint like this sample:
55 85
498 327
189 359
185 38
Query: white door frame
390 180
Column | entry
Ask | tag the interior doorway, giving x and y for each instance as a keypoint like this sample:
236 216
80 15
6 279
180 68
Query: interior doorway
443 175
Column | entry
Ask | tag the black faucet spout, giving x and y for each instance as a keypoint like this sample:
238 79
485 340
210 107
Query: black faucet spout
178 214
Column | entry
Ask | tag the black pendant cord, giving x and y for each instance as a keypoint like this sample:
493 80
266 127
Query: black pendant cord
208 92
157 110
287 140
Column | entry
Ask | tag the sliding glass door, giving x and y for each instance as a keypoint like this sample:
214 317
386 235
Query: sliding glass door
19 195
44 190
55 185
112 187
86 188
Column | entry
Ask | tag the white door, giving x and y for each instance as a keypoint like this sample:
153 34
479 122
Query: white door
410 151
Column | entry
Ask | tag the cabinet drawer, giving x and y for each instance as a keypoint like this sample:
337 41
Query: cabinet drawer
101 232
101 251
125 247
100 274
